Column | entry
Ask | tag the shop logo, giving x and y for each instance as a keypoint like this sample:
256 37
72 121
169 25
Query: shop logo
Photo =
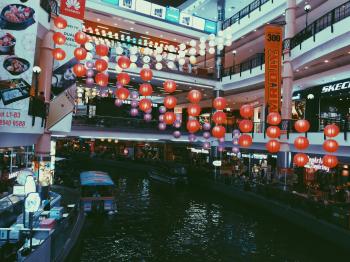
336 87
73 4
73 8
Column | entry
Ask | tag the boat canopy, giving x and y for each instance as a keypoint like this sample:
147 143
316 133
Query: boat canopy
95 178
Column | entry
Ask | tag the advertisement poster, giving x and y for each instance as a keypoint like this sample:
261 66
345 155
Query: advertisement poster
198 23
186 19
210 27
158 11
298 109
17 52
43 171
73 8
273 67
172 14
143 7
129 4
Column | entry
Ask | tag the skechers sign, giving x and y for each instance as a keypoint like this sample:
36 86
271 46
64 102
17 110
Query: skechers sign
336 87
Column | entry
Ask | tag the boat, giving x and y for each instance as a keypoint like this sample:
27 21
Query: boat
97 192
173 175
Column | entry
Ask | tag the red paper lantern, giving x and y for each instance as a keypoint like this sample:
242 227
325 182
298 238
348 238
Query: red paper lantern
169 86
246 126
193 125
218 131
58 54
146 74
246 111
101 79
79 70
302 126
245 140
80 38
123 93
219 103
194 96
101 65
123 78
60 22
80 53
274 118
301 143
59 38
273 132
193 110
273 146
145 104
330 161
330 145
219 117
170 102
124 62
169 118
102 50
331 130
145 89
300 159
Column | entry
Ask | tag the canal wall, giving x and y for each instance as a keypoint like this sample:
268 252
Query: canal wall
325 230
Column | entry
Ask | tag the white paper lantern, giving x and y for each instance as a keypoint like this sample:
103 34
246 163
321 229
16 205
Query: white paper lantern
145 66
182 53
228 43
212 43
170 64
171 48
219 40
220 33
220 47
182 46
133 58
211 50
193 43
106 58
193 60
182 61
211 37
202 46
89 56
133 50
159 66
192 51
202 39
119 50
159 58
202 52
146 59
159 49
89 46
171 57
133 65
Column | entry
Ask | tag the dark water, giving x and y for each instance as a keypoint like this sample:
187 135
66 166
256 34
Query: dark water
159 223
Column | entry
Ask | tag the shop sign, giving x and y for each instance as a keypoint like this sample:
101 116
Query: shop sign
198 23
336 87
129 4
317 164
172 14
198 151
158 11
255 156
273 67
143 7
217 163
73 8
210 27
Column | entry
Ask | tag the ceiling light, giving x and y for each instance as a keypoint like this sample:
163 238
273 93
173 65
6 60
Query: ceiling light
131 28
161 35
254 30
326 61
98 19
306 67
147 32
174 39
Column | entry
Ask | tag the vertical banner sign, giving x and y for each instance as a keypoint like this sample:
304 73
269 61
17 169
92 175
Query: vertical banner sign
273 67
73 8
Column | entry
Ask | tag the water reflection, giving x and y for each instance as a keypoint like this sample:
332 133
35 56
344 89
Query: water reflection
158 223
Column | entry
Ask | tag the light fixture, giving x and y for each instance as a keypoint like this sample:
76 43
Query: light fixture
131 28
234 52
98 19
36 70
307 8
326 61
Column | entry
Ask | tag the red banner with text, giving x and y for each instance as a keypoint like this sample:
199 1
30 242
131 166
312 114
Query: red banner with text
273 67
73 8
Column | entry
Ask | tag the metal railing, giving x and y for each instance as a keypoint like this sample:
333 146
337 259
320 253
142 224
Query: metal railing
51 7
244 12
257 60
328 20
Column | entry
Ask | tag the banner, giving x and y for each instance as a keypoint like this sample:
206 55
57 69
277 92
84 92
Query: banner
73 8
273 67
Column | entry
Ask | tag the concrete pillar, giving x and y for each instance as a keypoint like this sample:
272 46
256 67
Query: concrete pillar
220 55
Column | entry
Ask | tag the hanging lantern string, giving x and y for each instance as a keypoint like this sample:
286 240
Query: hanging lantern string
134 44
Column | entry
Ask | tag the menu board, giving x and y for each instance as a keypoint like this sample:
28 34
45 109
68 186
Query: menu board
144 7
172 14
158 11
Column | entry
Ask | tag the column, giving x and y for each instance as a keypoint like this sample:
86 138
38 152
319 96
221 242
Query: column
284 156
43 145
220 55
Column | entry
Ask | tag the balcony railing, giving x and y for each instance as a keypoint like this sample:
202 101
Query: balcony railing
244 12
328 20
257 60
50 6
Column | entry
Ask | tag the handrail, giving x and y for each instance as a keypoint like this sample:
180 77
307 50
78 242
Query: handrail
243 12
252 62
337 14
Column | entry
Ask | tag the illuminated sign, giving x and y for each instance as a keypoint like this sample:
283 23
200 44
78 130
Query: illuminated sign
172 14
73 8
199 151
316 163
143 7
273 67
158 11
217 163
210 26
198 23
336 87
186 19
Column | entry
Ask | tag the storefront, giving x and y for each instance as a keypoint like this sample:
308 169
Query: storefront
324 104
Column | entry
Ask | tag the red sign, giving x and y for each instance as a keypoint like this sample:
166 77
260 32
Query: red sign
273 64
73 8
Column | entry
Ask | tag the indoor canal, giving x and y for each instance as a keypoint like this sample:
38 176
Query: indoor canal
157 222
